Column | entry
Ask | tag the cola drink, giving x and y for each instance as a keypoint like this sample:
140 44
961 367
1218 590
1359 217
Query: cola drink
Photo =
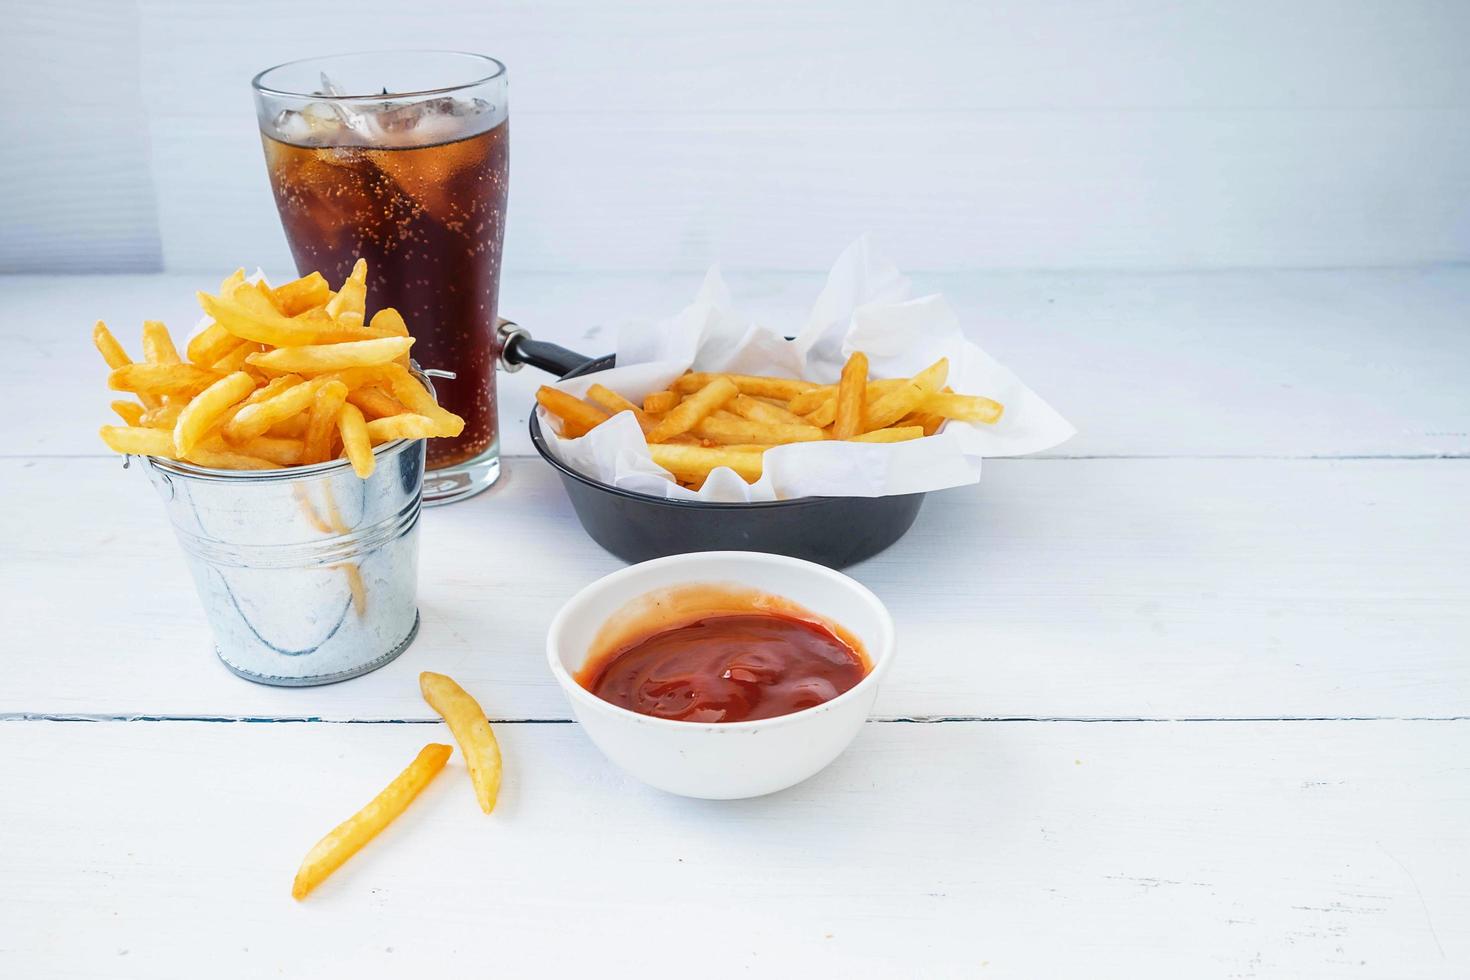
416 185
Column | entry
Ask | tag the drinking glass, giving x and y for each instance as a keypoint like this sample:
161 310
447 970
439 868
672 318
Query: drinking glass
401 158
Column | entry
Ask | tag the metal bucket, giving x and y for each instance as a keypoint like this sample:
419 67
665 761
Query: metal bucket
308 575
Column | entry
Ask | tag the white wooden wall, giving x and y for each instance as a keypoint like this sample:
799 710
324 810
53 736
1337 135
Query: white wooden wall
664 134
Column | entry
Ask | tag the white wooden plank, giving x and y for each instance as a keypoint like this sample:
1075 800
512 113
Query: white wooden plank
957 850
1056 588
74 162
1232 363
882 55
1140 189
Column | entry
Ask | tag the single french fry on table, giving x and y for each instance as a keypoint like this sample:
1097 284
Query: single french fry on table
471 730
349 837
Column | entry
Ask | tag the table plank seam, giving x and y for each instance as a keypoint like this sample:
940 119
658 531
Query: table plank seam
1035 457
100 718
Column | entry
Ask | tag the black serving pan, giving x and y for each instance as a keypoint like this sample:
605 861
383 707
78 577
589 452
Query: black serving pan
834 531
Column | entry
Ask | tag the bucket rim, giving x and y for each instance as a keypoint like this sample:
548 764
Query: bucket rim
178 467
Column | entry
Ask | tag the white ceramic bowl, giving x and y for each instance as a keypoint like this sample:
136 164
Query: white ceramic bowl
727 760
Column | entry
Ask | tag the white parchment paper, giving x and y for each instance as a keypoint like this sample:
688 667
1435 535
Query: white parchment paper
865 306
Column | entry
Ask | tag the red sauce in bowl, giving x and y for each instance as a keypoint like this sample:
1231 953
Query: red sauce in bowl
708 655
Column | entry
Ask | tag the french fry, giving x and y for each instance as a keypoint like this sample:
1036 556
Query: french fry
211 344
407 426
613 403
161 379
694 463
727 431
659 402
760 410
471 730
692 410
228 459
250 315
137 441
391 323
289 428
112 352
205 409
352 297
349 837
906 398
281 451
255 420
321 427
375 402
927 421
571 410
311 359
355 441
416 398
852 395
825 412
165 416
158 346
129 412
897 433
235 359
299 295
748 384
966 408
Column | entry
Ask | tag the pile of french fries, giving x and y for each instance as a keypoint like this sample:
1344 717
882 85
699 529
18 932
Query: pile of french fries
283 376
477 742
704 421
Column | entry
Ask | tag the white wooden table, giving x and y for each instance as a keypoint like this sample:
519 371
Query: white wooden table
1188 697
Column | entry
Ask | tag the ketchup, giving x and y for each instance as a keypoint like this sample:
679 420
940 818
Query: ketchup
738 667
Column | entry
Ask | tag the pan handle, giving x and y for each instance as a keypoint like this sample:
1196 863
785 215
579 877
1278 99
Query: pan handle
517 348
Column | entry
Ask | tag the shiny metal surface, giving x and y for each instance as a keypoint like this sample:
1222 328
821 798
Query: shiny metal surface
308 575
